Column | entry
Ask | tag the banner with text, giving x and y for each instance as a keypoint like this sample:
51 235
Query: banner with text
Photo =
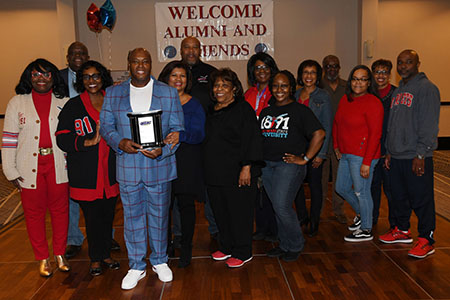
232 31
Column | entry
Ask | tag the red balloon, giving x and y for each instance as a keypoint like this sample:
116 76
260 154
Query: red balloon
93 18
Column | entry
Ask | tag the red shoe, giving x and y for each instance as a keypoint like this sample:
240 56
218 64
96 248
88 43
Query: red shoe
219 255
236 262
421 248
395 235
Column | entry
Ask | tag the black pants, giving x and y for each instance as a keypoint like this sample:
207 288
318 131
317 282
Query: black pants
186 207
264 214
99 216
381 176
233 208
314 178
411 192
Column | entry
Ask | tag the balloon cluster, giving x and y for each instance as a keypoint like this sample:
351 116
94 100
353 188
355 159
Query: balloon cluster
103 17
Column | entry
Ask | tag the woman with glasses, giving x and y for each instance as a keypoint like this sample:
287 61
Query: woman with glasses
357 131
33 163
91 163
260 68
318 100
292 136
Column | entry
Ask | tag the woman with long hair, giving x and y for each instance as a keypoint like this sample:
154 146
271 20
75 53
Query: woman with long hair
357 132
91 163
33 163
188 186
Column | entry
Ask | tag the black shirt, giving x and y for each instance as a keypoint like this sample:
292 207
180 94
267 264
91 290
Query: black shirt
232 141
287 129
200 83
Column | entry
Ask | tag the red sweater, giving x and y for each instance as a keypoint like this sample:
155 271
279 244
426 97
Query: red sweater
357 127
251 96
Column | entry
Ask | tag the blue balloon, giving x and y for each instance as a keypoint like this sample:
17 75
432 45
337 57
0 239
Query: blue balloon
108 15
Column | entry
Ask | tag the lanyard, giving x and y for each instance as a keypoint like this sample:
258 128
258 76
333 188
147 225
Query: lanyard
259 96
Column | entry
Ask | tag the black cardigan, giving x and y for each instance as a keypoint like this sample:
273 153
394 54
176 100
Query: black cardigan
233 140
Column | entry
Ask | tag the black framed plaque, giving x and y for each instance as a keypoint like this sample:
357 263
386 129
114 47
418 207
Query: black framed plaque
146 128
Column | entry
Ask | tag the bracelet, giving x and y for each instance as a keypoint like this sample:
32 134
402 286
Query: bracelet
306 158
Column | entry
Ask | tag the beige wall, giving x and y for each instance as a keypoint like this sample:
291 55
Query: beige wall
424 26
29 30
303 29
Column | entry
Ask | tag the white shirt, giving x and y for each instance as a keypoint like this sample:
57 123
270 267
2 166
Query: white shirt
141 97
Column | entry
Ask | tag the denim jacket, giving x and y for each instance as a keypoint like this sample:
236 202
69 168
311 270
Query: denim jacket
320 104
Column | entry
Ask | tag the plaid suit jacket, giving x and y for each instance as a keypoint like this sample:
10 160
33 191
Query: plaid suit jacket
131 169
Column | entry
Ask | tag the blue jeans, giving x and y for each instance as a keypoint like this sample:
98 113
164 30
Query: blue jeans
282 182
74 235
356 189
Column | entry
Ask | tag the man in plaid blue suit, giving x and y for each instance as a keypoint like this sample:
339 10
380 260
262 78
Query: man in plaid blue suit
144 176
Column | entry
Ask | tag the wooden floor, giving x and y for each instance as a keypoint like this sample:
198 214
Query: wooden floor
328 268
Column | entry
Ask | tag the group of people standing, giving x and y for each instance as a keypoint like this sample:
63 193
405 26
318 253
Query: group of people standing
246 155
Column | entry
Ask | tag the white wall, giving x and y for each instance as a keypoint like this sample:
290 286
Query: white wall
303 29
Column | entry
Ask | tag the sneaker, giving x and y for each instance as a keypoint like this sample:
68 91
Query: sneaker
359 236
290 256
356 224
394 235
233 262
219 255
163 271
131 279
275 252
421 248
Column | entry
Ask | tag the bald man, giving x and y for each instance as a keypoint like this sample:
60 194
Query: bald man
77 54
410 142
190 54
144 176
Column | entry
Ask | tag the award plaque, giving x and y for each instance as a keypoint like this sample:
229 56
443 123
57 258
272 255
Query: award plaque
146 129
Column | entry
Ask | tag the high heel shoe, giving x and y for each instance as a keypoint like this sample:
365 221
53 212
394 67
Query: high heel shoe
45 268
63 264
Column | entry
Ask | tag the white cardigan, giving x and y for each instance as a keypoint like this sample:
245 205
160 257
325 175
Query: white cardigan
20 141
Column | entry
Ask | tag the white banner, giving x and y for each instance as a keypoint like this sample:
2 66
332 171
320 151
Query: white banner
232 31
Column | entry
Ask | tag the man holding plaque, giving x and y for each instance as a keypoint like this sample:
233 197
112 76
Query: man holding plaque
144 175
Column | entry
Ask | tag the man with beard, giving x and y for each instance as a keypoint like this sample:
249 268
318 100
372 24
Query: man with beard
335 86
144 175
411 139
190 54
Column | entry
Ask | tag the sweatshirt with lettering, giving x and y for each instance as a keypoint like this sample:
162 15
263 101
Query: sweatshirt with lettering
414 119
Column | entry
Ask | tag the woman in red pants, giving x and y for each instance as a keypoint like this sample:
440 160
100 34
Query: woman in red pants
33 162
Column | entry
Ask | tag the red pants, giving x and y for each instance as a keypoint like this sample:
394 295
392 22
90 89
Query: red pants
35 202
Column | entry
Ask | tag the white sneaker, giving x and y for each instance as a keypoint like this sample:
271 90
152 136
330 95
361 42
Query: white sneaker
131 279
163 271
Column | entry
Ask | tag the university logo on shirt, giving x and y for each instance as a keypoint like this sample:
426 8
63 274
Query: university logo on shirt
402 99
275 126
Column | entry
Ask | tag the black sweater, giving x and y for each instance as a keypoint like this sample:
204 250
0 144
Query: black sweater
91 170
233 140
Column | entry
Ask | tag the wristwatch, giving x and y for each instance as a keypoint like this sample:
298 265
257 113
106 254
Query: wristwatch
306 158
420 156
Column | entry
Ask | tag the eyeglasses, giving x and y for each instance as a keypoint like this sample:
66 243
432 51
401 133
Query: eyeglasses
95 76
309 73
363 79
280 86
335 66
381 72
261 67
37 74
